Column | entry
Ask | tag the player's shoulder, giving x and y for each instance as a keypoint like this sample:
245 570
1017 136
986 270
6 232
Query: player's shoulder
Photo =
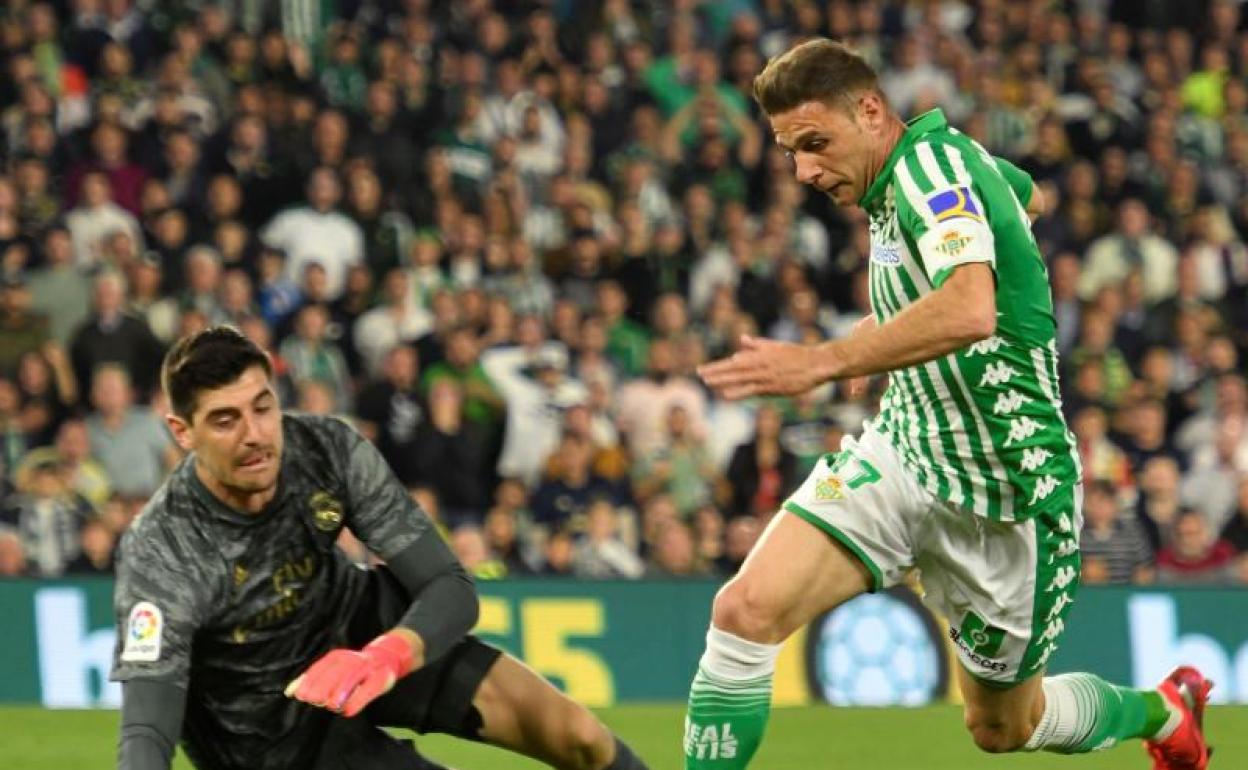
169 531
312 432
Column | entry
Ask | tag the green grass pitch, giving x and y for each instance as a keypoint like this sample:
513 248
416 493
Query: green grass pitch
798 739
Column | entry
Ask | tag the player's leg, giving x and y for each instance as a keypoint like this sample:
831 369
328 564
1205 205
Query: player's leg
478 692
1006 622
523 712
842 533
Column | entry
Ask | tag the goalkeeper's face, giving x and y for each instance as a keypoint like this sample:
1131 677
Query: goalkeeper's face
236 435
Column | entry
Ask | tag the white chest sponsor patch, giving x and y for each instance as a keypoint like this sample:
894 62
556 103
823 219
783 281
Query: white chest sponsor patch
143 634
885 254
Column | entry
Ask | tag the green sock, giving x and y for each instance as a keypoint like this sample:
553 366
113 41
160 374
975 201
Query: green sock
725 722
1085 713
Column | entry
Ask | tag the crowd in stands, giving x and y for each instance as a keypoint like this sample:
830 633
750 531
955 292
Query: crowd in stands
498 236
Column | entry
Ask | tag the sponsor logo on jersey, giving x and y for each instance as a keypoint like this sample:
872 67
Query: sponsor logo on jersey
954 203
829 488
326 511
980 642
953 243
143 634
885 254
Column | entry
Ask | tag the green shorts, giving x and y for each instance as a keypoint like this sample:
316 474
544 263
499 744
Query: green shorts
1005 587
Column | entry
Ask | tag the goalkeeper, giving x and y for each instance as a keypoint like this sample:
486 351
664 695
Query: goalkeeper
246 634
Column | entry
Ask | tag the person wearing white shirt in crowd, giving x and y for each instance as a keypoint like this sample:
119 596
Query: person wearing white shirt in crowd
95 218
537 389
1130 247
398 319
318 233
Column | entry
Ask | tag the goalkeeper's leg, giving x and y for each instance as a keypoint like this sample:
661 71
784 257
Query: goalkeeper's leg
795 572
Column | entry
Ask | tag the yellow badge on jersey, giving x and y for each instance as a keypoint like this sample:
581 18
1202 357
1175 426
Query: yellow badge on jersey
326 511
829 489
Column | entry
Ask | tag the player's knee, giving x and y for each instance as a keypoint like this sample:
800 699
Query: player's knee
587 744
997 736
742 610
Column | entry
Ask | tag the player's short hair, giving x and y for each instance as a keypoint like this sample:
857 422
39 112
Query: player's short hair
207 359
818 70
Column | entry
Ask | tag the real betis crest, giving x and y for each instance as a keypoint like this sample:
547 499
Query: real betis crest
829 488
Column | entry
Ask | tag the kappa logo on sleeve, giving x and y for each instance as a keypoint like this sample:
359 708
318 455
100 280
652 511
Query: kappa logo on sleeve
143 634
954 203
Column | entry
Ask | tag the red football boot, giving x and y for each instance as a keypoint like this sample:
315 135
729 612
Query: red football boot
1188 691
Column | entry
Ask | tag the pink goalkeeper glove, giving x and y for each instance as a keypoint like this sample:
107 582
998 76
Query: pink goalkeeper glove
346 681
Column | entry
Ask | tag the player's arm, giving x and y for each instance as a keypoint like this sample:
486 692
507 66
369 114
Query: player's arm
962 311
1024 188
151 722
444 604
157 600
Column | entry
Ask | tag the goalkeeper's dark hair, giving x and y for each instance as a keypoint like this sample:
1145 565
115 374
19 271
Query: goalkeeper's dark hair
205 360
819 70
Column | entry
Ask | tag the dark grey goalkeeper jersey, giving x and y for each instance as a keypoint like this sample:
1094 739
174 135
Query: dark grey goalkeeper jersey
232 607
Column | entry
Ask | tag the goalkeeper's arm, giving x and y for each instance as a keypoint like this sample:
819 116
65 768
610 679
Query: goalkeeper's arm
151 721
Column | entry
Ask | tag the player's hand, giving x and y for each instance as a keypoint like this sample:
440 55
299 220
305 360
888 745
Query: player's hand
345 681
763 367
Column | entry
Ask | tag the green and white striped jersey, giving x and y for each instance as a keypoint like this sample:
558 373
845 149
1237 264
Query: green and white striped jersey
981 427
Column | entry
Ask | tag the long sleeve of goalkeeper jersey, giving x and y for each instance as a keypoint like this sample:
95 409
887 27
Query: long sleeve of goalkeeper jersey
151 722
445 607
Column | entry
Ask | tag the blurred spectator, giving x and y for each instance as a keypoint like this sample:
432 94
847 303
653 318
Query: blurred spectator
96 554
96 218
469 545
318 233
130 441
1213 481
762 471
1196 555
741 533
601 553
398 319
483 403
48 519
674 553
449 454
310 354
109 335
58 289
536 389
643 404
1159 500
1116 540
680 467
1131 247
571 487
502 535
22 330
391 408
558 554
48 392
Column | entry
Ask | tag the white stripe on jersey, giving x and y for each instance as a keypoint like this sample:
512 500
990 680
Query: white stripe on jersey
952 417
912 193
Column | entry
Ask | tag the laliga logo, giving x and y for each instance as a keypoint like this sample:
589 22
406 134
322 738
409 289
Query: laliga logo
143 625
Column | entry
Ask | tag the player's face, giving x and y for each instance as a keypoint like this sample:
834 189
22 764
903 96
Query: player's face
833 150
236 435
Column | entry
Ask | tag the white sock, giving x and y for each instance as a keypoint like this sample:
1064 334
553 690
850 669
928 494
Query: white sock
1059 722
730 658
